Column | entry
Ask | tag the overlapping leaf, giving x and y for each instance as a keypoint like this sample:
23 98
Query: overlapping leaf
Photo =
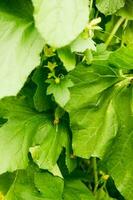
92 115
75 190
109 7
122 58
118 159
27 128
44 186
102 120
97 95
127 10
48 144
60 21
20 45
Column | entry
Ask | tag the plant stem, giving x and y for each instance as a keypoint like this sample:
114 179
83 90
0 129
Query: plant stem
115 29
94 160
91 5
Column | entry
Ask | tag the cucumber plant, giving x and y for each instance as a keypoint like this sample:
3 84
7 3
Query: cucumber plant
66 99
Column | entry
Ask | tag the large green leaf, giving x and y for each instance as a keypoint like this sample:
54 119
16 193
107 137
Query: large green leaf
127 10
16 135
76 190
51 187
35 186
23 187
27 128
48 144
122 58
92 115
101 116
118 159
31 185
20 45
60 21
109 7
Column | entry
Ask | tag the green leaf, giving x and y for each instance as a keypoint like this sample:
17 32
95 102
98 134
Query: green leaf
41 100
122 58
101 53
92 115
101 116
53 187
118 159
27 93
76 190
71 163
32 185
60 21
127 10
68 58
16 135
109 7
56 171
60 90
35 185
81 44
128 33
24 188
20 45
102 195
5 182
48 144
23 129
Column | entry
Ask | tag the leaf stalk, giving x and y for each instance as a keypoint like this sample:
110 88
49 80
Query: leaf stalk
114 30
94 161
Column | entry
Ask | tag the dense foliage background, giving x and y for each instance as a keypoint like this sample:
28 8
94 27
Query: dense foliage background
66 99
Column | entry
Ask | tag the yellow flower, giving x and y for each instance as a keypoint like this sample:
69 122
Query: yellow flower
49 51
105 177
